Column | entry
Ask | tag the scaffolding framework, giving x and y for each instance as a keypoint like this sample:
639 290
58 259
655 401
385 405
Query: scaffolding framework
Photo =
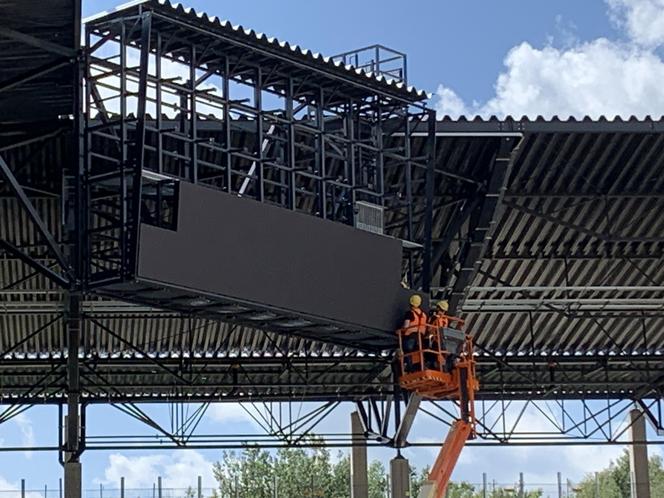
166 105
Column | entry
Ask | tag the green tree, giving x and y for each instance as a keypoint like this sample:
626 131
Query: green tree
417 479
249 474
461 490
614 481
378 482
310 473
341 477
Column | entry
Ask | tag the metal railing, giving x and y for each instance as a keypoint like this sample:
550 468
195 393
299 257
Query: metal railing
487 487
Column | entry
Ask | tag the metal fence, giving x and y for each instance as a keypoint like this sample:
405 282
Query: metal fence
487 488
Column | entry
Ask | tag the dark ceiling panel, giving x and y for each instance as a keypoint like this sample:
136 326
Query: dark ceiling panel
38 40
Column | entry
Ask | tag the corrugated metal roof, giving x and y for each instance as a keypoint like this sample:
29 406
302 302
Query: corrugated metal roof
260 41
601 187
582 210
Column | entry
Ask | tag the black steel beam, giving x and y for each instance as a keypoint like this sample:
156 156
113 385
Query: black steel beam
33 74
45 45
73 333
36 265
482 223
428 219
41 227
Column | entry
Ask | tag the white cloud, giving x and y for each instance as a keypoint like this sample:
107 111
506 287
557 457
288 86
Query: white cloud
450 103
27 432
643 20
180 470
7 488
594 78
231 413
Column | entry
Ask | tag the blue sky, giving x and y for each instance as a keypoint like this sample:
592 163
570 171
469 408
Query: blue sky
476 56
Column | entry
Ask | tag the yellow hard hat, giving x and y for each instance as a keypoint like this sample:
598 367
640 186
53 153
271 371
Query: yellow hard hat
416 300
443 305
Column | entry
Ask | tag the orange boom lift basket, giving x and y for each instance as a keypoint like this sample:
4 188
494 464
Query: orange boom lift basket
439 364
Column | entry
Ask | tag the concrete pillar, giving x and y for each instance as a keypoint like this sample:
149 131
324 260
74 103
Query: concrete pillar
638 456
400 474
560 485
359 475
73 480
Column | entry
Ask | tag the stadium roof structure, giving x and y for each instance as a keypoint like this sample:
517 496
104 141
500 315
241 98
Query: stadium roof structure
200 28
546 235
568 277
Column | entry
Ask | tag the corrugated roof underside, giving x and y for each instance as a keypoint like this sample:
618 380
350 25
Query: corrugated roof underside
595 196
50 95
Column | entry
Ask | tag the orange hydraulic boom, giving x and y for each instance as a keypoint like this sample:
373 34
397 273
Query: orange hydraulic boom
440 474
442 366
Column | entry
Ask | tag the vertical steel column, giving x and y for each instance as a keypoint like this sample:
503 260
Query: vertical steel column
81 203
292 200
409 196
159 104
123 150
359 478
193 118
139 141
320 159
428 220
73 446
638 456
351 159
78 253
227 125
260 162
380 154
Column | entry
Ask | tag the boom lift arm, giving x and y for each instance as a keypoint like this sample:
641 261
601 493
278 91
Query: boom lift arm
439 476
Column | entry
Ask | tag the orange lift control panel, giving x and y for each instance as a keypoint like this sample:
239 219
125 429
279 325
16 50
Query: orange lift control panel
437 363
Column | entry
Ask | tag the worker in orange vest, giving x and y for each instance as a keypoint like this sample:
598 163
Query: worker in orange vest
451 345
433 340
413 330
439 317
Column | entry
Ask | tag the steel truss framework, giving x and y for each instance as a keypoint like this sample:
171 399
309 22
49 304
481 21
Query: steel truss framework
163 106
292 139
386 422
